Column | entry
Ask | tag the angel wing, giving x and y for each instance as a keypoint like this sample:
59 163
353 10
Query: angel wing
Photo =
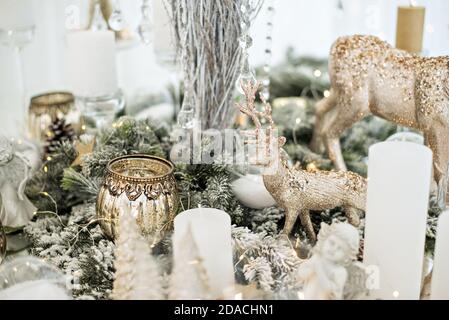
355 286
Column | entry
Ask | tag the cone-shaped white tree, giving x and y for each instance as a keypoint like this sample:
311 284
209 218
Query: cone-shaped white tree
189 279
137 276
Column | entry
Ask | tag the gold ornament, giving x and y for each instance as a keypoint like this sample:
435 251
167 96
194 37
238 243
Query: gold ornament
83 149
146 183
3 245
45 109
368 76
299 191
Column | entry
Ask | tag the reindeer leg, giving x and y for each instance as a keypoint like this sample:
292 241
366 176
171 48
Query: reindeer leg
306 222
347 112
437 139
352 214
291 215
334 151
321 108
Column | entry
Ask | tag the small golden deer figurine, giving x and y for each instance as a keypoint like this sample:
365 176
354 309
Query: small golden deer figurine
299 191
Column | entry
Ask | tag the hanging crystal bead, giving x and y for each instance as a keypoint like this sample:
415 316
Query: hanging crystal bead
98 22
186 116
145 28
116 20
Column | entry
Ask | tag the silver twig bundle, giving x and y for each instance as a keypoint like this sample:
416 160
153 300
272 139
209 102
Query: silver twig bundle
207 35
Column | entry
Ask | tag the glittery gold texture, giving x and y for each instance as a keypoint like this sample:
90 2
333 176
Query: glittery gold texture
83 149
299 191
368 76
144 182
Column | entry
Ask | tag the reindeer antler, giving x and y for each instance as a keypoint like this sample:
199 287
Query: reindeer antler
249 108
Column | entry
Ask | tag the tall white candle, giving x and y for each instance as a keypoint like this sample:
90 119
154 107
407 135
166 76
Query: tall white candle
440 275
211 231
399 175
91 64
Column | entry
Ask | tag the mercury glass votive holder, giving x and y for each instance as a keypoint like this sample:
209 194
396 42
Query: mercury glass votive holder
45 109
147 185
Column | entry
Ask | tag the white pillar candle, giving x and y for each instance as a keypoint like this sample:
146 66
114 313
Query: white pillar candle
211 231
91 64
399 175
440 275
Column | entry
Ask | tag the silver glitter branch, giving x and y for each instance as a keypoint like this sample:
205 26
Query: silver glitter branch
207 34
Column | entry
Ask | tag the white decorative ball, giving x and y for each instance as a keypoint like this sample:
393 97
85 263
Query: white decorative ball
251 192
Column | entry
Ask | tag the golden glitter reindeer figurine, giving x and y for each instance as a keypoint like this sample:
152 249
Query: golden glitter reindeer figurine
299 191
368 76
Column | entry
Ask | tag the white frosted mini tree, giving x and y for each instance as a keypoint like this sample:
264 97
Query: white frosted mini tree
137 276
189 279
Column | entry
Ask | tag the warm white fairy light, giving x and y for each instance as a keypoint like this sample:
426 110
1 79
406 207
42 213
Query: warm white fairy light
317 73
396 294
300 295
326 93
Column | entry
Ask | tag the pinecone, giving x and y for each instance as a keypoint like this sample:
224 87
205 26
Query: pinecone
58 131
361 250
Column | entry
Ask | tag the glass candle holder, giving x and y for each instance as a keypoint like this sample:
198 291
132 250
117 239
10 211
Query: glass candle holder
30 278
146 184
45 109
99 111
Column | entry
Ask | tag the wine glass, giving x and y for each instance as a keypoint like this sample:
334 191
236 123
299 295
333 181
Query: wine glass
17 38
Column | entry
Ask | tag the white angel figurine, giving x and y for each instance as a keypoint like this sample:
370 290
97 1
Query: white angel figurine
324 275
17 164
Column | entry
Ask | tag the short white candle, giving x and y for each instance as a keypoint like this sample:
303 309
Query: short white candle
211 230
399 176
91 63
440 275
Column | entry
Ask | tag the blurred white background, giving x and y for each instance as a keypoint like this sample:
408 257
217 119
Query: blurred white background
308 26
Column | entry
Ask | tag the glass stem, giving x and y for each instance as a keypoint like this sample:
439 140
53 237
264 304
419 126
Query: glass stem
22 84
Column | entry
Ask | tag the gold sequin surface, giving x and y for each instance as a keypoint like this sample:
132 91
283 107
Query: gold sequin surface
299 191
146 184
369 76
